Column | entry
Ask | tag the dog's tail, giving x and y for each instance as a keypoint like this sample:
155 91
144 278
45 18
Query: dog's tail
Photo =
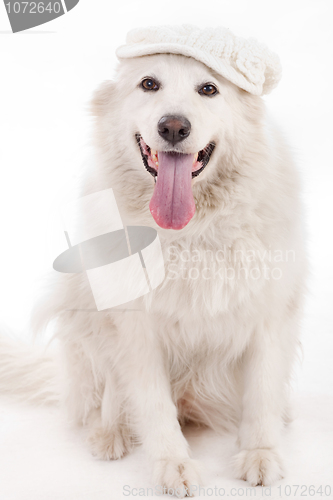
28 373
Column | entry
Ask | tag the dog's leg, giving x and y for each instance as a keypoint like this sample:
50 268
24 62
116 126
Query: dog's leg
110 436
92 397
266 371
146 381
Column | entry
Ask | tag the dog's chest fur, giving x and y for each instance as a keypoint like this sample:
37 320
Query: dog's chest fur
196 309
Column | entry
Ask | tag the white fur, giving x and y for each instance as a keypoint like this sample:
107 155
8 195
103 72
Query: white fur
218 351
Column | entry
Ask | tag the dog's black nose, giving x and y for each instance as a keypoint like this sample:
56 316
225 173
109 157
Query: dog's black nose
174 128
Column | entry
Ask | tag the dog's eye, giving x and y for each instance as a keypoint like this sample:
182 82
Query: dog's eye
149 84
208 89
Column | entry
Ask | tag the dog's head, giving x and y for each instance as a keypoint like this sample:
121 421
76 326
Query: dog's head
170 129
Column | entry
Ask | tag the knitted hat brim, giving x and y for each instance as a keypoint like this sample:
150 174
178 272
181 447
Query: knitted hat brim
217 64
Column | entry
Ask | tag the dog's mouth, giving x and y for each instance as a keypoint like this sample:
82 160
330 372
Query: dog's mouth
172 204
150 157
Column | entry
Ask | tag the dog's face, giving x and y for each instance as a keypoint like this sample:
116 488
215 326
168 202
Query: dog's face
175 121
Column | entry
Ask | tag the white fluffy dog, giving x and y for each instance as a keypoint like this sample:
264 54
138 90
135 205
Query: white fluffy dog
215 343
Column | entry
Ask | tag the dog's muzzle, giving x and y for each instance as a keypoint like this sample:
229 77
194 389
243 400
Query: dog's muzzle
172 204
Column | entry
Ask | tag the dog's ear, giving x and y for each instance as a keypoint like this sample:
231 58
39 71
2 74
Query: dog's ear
102 98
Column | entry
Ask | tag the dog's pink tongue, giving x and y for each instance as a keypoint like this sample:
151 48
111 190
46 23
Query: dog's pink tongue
172 204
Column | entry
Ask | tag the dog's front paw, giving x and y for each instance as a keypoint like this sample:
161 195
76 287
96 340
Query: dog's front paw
109 444
179 477
261 466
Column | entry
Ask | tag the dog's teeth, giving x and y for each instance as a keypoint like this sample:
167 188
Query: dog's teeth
154 156
196 156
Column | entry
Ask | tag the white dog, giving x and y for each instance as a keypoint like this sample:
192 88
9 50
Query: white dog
215 343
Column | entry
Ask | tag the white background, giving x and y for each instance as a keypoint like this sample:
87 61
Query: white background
47 77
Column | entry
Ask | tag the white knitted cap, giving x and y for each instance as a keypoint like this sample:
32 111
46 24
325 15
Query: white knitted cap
245 62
